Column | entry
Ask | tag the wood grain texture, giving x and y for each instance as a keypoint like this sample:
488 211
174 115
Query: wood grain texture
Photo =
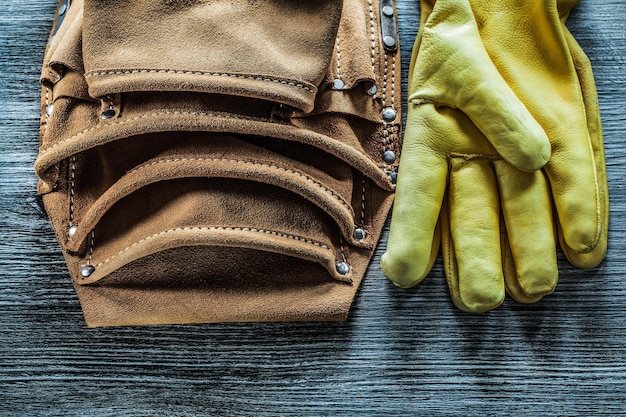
401 353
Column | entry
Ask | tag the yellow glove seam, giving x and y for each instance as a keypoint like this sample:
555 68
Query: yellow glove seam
422 101
598 235
475 156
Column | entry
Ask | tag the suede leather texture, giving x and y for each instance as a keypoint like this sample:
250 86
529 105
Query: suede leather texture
218 161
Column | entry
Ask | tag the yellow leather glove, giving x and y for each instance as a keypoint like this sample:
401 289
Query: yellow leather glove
594 126
496 220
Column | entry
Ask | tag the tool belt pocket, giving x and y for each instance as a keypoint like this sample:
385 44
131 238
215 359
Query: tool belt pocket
276 51
213 191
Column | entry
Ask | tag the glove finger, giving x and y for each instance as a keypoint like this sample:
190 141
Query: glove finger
584 234
538 72
528 218
412 248
472 238
510 274
508 265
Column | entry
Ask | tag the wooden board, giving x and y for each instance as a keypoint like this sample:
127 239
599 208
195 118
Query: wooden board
401 353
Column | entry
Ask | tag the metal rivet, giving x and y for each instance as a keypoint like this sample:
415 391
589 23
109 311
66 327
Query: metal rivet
71 231
389 157
359 234
393 177
372 91
62 9
87 270
107 114
389 114
338 84
389 41
388 11
49 109
342 268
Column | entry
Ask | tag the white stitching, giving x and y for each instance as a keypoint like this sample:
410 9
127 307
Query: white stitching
363 201
338 58
373 35
72 187
45 110
393 87
386 128
384 97
343 256
287 170
91 247
214 228
387 167
393 81
210 74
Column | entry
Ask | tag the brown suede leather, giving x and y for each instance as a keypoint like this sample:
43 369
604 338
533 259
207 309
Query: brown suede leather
218 161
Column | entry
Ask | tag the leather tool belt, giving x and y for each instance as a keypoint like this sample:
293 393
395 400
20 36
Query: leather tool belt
207 161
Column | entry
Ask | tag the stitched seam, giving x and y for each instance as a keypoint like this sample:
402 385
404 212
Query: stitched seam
338 59
287 170
72 187
209 74
384 100
596 239
596 184
45 110
386 166
214 228
437 104
598 214
393 80
343 255
384 97
451 262
474 156
91 246
145 116
393 100
362 201
373 35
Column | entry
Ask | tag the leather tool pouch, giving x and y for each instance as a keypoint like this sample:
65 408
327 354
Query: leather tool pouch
201 163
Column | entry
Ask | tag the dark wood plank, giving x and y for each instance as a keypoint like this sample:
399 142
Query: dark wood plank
400 353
